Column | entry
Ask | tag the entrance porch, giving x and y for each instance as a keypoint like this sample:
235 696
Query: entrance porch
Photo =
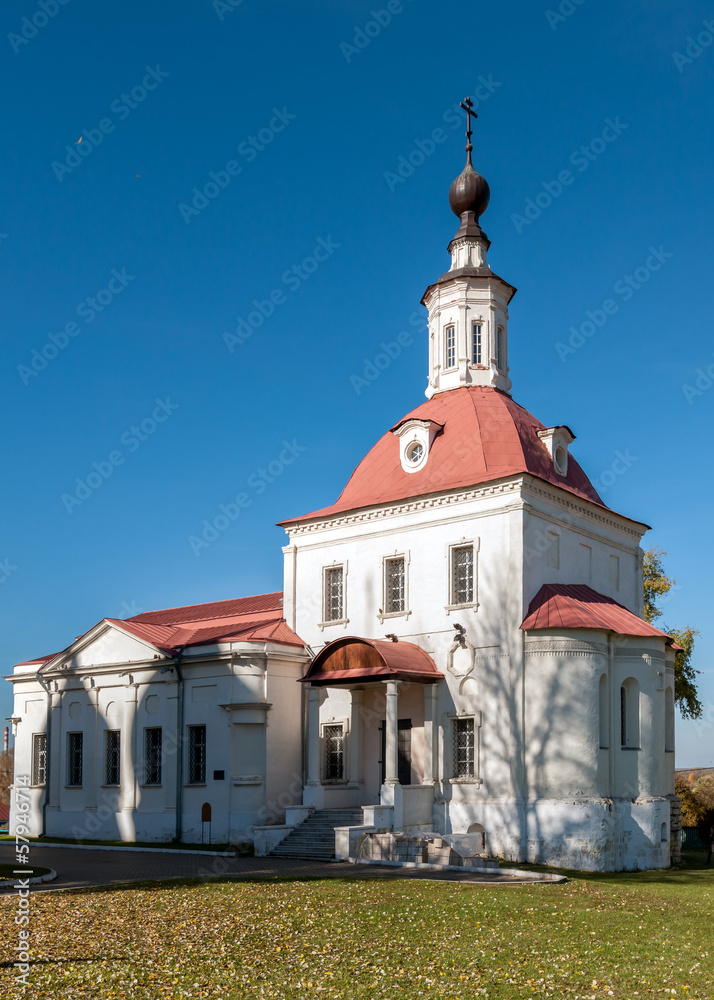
372 732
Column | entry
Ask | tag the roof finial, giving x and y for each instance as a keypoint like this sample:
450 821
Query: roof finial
467 105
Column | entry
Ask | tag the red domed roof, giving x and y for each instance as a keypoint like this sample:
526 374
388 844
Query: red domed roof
486 436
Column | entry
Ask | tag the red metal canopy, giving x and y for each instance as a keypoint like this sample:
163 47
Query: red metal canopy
351 659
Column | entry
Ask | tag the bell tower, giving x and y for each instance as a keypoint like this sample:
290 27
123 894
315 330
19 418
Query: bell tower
468 305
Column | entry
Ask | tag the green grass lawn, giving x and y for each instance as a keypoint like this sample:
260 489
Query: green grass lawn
622 936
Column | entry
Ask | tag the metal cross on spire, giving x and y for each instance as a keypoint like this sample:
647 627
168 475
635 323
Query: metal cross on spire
468 105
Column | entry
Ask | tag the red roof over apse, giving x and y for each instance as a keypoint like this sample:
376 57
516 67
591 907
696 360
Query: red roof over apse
486 436
562 605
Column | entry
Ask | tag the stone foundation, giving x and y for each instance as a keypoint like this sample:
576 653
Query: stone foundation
427 849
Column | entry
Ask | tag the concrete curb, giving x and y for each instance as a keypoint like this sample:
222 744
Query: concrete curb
516 873
49 877
137 850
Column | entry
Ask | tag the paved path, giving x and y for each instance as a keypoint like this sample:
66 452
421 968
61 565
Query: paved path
82 869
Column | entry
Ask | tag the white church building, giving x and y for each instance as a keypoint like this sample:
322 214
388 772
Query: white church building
459 648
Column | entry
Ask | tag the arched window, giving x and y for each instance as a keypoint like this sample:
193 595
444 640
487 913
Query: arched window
663 836
604 714
669 720
630 714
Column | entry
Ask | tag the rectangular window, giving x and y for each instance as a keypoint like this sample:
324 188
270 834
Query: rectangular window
112 756
395 585
334 752
152 756
450 347
476 343
334 594
464 747
500 350
462 574
74 759
39 759
197 755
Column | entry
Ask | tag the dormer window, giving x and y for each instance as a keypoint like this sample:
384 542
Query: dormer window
450 333
476 330
415 440
557 440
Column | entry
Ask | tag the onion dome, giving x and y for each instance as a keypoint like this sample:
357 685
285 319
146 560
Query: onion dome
469 192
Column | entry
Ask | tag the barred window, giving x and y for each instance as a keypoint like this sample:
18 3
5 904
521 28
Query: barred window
112 756
334 594
334 752
152 756
39 759
451 347
196 755
464 748
476 343
395 574
462 574
74 759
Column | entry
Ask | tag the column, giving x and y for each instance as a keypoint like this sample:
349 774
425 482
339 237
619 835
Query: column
391 764
57 761
430 736
356 736
391 794
314 794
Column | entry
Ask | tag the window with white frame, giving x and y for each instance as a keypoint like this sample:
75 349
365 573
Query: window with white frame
112 757
463 737
39 758
334 751
476 329
334 594
462 574
500 350
152 756
197 755
74 759
395 584
450 336
630 714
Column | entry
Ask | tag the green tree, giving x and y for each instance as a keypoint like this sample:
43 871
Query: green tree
657 585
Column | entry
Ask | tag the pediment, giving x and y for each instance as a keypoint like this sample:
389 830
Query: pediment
102 645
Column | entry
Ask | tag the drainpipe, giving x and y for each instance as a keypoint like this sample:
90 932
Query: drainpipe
179 763
48 752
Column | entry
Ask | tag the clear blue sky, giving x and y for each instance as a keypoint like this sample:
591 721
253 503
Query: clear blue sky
202 79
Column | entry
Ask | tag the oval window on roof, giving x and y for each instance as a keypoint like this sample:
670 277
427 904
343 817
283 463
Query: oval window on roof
415 452
560 460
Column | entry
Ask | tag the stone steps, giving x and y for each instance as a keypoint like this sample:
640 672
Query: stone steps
315 838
